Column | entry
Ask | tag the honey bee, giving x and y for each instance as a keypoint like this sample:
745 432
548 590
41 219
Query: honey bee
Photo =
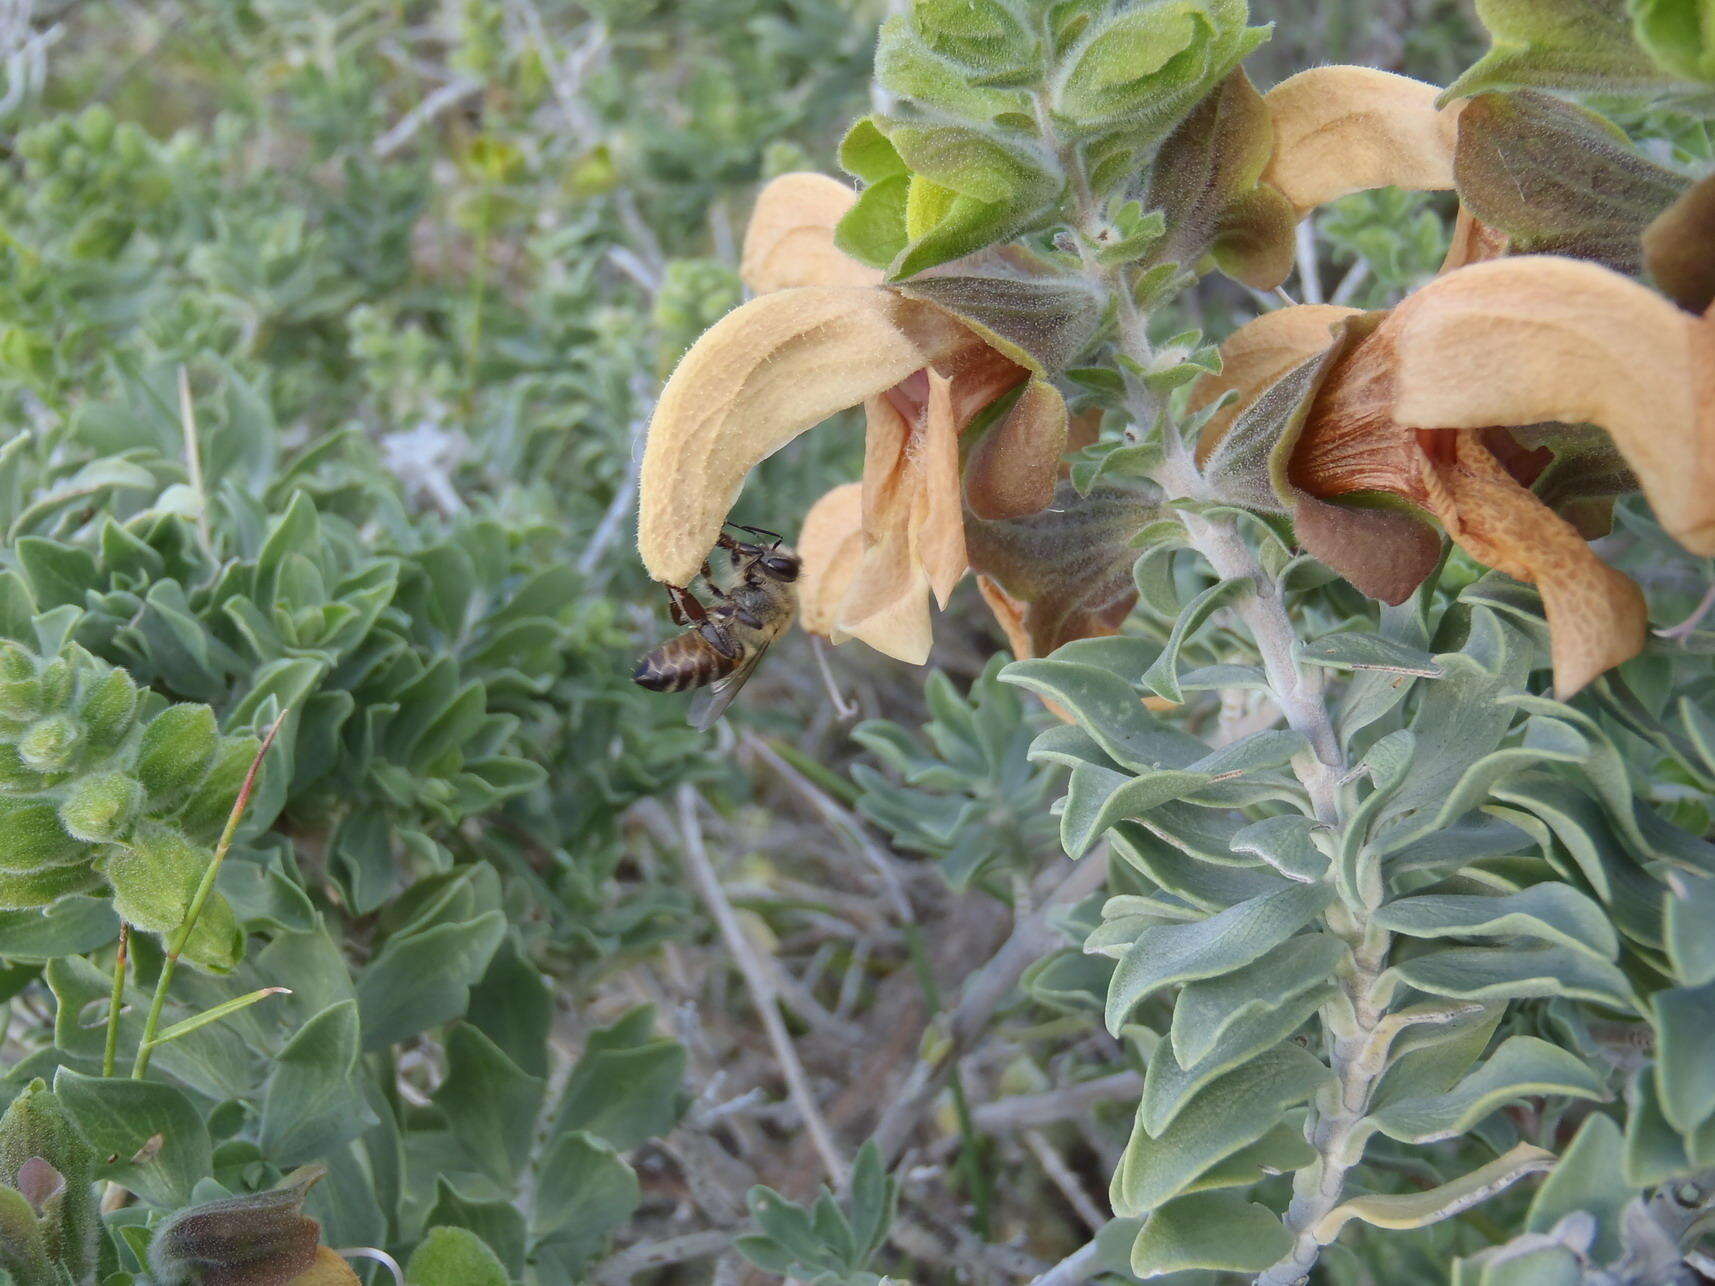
722 644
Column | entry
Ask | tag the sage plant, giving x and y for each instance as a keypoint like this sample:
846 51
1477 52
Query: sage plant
1375 767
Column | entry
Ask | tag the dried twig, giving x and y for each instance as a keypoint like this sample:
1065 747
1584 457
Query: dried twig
981 995
841 819
1061 1176
760 982
411 124
620 1269
1079 1266
1027 1111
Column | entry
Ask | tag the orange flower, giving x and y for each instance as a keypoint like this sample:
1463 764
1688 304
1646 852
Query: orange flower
1491 378
825 336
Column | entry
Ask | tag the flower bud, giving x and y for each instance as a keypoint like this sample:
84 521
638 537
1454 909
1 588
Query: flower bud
1149 64
31 836
260 1236
101 808
1678 34
154 876
46 1162
109 707
57 680
50 745
217 941
176 749
984 36
452 1256
205 813
50 884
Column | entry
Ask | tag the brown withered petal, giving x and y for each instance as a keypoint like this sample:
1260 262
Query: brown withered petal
1329 413
1011 470
1596 615
1384 552
1257 354
1083 430
1473 241
1339 130
790 238
1254 241
759 377
1531 339
830 545
1679 248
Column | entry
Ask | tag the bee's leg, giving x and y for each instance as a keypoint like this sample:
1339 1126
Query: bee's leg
716 636
683 607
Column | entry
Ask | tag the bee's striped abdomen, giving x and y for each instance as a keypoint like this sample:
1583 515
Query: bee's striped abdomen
682 662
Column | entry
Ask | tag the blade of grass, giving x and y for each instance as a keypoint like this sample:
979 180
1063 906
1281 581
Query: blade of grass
182 935
215 1014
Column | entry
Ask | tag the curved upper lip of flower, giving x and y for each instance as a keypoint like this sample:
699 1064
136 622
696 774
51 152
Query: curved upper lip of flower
826 335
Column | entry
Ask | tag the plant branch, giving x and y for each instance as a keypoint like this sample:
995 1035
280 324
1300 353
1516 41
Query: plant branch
1081 1265
1301 695
116 1001
981 995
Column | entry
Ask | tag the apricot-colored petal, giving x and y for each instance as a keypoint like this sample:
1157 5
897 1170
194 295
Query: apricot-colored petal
830 546
1530 339
1011 470
790 239
980 374
757 379
1259 353
1473 241
1339 130
888 483
938 518
1008 614
887 603
1596 615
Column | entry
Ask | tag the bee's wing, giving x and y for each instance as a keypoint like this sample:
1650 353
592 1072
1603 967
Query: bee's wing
710 703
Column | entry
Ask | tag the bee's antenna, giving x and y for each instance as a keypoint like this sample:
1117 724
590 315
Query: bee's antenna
775 536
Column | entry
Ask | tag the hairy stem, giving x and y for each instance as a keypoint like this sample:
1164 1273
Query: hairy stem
1351 1019
116 1001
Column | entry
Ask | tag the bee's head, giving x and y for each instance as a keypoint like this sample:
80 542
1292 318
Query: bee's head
780 563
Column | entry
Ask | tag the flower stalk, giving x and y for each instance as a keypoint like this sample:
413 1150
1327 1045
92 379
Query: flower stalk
1353 1015
116 1001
